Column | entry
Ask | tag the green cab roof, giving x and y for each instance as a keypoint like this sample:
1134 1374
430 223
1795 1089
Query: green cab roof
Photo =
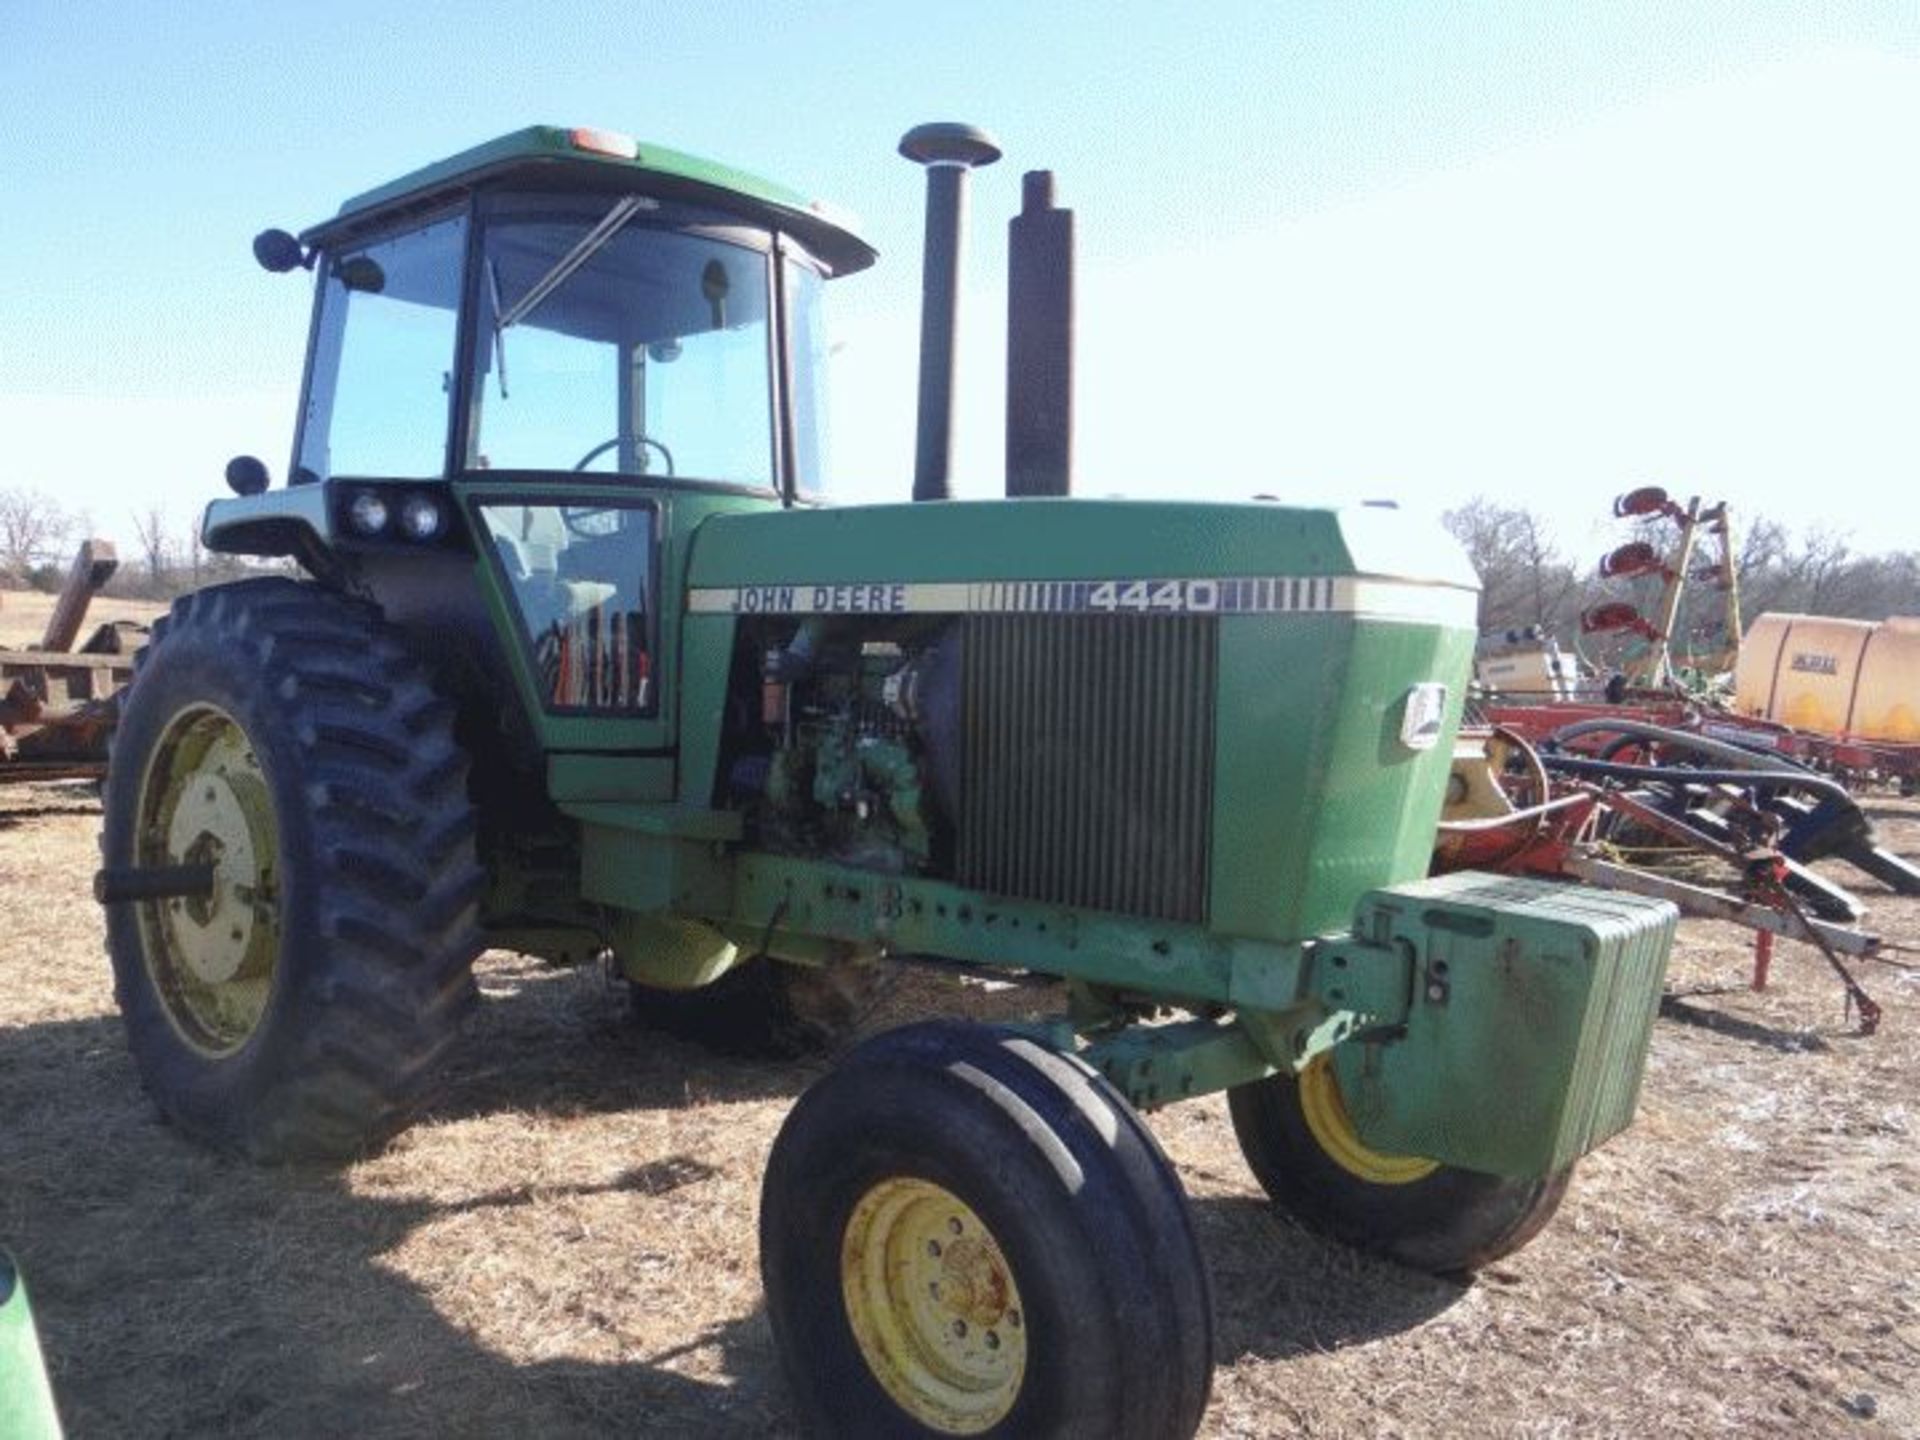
597 155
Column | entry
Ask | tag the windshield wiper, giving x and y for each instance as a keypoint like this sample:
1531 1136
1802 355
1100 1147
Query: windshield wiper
585 250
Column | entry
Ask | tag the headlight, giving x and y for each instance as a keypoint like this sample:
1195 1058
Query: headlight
367 513
421 517
1425 710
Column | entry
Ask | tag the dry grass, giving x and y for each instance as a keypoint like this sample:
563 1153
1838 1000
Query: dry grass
568 1248
24 615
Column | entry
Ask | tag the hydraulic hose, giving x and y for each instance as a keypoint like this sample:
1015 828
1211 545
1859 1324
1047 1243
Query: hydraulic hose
1680 774
1734 755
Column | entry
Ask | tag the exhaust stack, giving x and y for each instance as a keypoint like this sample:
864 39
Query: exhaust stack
948 151
1039 342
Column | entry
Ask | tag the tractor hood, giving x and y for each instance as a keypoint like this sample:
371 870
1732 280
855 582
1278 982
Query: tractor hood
1066 556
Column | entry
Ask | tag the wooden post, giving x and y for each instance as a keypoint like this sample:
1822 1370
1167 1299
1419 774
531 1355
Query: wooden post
93 565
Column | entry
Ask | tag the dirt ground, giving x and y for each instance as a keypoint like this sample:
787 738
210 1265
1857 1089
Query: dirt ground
567 1247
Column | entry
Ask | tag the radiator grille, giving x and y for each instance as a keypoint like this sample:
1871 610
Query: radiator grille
1088 760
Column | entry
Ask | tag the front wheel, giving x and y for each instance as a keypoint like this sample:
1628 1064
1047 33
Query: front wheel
1301 1145
279 740
963 1232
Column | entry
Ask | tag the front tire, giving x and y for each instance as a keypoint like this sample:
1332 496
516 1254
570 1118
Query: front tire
965 1233
1301 1146
283 734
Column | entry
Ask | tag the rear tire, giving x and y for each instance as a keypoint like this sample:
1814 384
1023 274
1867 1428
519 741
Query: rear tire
283 733
1300 1145
965 1233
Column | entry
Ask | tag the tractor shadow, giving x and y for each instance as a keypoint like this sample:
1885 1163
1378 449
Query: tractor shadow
1280 1291
180 1293
564 1043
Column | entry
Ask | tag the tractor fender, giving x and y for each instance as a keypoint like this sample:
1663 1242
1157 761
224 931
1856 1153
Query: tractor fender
293 522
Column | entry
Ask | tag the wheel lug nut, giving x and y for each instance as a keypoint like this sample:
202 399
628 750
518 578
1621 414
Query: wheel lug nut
933 1248
960 1329
993 1340
954 1225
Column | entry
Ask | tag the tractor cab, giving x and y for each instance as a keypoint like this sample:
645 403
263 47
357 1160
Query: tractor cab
548 354
564 302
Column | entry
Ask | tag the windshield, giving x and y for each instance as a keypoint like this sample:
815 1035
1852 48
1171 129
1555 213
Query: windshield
610 345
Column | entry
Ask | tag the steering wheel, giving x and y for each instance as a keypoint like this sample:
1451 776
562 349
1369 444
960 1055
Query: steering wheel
645 442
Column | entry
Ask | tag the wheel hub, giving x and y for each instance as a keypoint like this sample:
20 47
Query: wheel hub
933 1306
213 825
973 1284
204 801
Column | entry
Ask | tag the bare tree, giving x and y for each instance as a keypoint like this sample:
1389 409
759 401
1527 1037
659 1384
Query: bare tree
1887 585
156 545
196 556
1818 570
1816 573
1761 566
1524 580
33 528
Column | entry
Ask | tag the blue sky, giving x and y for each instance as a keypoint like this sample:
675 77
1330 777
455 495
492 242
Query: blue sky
1545 252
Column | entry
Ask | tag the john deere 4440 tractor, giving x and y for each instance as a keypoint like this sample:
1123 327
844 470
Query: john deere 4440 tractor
585 664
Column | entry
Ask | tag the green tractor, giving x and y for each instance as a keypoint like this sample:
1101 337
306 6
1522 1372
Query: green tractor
585 664
26 1399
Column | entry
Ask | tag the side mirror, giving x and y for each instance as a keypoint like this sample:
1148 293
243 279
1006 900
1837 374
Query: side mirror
278 251
246 475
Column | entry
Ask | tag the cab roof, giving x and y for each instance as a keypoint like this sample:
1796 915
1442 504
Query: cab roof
552 153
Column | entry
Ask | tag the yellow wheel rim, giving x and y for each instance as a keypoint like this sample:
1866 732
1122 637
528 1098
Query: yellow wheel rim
204 800
1327 1118
933 1306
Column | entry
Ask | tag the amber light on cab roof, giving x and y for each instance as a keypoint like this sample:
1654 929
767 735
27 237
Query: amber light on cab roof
606 142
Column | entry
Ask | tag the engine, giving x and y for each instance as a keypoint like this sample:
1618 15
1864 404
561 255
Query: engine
846 743
1057 757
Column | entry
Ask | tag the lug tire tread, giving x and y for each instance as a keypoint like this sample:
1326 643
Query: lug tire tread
379 934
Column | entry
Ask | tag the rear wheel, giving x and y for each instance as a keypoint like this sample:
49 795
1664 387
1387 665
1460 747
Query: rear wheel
1301 1145
965 1233
282 736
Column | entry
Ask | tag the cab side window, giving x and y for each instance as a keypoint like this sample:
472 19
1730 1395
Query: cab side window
381 385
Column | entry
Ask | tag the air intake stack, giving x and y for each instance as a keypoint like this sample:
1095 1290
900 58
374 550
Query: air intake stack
948 151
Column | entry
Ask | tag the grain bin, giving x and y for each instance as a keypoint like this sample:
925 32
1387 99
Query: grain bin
1833 677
